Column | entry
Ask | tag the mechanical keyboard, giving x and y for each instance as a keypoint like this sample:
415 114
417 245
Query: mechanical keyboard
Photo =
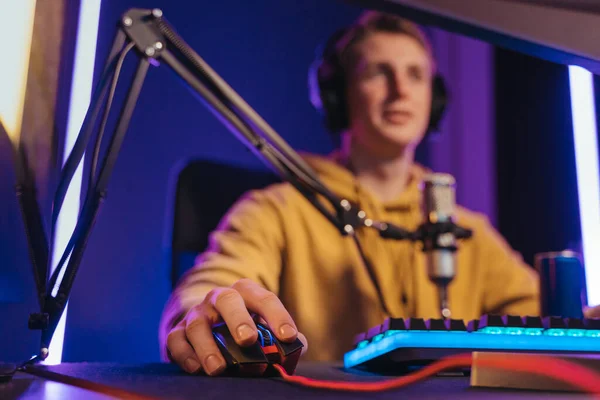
400 344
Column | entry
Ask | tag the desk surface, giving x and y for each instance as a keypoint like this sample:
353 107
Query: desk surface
167 381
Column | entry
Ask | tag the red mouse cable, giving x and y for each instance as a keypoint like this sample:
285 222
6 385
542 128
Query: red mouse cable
569 372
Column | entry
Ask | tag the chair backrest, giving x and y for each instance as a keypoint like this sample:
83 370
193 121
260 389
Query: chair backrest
203 192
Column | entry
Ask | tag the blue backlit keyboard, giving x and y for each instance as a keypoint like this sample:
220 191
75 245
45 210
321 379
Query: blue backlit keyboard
399 343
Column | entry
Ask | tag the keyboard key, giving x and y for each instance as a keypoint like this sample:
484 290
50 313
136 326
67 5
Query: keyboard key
436 325
532 326
393 324
554 323
491 324
514 325
374 331
457 325
513 321
532 322
473 325
555 326
359 338
495 321
415 324
574 323
593 327
592 323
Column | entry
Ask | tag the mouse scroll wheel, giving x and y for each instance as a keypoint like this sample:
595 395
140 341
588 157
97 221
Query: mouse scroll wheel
264 336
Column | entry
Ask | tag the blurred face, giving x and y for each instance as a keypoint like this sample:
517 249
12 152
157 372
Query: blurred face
389 93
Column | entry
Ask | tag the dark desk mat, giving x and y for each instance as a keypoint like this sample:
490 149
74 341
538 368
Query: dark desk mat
168 381
27 387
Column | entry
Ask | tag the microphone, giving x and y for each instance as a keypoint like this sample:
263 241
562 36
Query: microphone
438 233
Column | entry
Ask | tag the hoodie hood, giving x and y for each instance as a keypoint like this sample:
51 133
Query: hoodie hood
339 179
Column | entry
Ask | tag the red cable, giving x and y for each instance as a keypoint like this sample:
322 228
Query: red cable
571 373
430 370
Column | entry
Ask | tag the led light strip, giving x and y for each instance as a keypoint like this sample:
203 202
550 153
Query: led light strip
81 91
467 342
583 108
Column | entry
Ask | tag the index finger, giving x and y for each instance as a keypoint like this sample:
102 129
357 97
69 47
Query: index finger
230 305
268 306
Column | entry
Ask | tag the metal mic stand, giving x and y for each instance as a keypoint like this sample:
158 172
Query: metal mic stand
153 40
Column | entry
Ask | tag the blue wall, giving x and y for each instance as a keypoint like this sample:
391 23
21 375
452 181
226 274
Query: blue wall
263 50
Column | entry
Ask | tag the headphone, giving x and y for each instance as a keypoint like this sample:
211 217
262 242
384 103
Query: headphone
327 89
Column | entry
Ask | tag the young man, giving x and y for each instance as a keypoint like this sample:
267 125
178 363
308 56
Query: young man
276 256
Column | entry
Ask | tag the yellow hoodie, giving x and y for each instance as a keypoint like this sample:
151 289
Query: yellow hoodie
278 239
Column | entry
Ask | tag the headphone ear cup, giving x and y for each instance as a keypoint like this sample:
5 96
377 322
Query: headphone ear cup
439 102
326 97
334 104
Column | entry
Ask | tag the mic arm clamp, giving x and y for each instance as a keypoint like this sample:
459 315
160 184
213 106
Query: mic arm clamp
440 235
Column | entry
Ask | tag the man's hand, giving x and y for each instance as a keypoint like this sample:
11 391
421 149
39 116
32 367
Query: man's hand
591 312
191 343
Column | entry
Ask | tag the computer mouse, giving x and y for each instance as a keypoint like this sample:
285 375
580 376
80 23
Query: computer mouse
258 358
